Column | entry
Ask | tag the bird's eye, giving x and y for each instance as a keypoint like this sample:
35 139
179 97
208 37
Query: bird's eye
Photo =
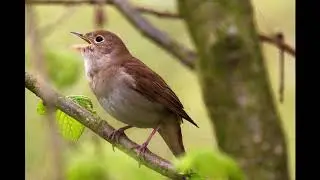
99 39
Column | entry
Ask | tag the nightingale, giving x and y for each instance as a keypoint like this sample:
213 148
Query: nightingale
130 91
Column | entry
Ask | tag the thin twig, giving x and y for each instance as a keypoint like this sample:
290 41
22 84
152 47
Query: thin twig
164 14
142 9
186 56
99 14
98 126
280 39
273 41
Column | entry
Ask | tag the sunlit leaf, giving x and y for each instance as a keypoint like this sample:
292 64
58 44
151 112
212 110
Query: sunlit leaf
70 128
41 109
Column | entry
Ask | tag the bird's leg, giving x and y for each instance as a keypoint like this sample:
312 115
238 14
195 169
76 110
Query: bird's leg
142 148
114 136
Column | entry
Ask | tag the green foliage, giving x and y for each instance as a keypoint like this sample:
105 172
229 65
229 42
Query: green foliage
41 109
87 168
85 164
70 128
208 164
86 159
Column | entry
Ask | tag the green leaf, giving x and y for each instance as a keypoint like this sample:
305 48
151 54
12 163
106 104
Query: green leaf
70 128
41 109
83 101
208 164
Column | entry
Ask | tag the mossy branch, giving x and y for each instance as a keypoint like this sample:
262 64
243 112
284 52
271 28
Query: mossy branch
98 126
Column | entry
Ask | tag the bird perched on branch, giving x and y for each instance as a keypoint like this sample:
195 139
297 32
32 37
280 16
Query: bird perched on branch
130 91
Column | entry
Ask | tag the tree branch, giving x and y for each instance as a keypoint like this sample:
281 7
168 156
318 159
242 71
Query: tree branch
142 9
282 45
164 14
98 126
187 57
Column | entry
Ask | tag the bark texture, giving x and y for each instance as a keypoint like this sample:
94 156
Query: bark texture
236 87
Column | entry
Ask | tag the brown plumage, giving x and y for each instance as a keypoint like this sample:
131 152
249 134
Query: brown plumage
158 90
130 91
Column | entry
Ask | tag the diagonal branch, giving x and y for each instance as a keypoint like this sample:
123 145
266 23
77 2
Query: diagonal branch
164 14
91 2
282 45
186 56
98 126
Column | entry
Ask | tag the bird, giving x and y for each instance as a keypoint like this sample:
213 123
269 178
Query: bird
130 91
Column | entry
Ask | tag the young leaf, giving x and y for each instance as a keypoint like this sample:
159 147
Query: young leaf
70 128
83 101
41 109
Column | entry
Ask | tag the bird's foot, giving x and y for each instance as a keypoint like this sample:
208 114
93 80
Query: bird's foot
114 136
141 150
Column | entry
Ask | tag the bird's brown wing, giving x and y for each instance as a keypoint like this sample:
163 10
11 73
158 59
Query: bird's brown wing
153 87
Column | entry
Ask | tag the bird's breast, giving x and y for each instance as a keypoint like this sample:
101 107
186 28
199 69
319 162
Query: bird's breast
127 105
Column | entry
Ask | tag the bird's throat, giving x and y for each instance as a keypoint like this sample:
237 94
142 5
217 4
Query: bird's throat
80 47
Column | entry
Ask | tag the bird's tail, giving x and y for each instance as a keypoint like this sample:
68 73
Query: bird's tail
170 131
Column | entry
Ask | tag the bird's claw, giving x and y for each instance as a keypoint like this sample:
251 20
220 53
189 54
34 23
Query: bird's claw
141 150
114 136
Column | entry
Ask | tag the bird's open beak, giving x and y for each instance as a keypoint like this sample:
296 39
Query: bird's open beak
81 36
80 47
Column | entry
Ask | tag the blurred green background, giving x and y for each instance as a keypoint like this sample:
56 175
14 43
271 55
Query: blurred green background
271 16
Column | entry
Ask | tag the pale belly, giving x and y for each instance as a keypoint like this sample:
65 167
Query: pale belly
129 107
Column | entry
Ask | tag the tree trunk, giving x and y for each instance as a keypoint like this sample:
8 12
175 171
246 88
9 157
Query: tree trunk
236 87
